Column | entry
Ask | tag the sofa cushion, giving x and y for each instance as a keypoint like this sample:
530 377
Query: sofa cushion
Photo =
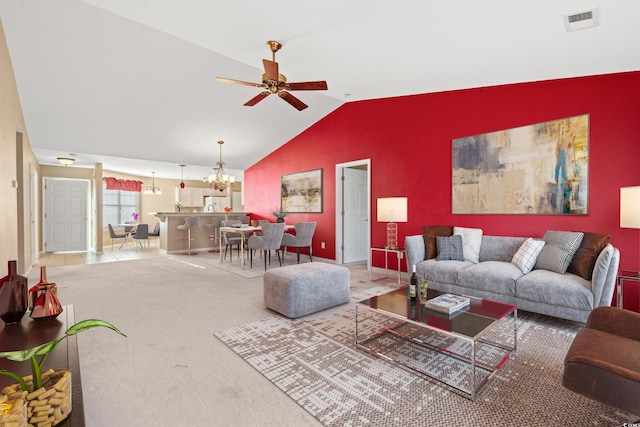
527 255
565 290
441 271
585 257
429 233
558 250
491 276
449 248
499 248
471 242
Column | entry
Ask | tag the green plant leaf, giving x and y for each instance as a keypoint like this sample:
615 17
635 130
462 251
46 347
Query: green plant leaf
91 323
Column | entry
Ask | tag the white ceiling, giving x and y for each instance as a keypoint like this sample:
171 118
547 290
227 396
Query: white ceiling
131 83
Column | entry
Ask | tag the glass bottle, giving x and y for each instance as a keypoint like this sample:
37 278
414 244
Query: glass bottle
413 285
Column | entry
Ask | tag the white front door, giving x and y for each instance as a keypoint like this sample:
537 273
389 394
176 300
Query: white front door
65 215
356 215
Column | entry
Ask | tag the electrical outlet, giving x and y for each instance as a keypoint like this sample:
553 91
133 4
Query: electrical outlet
322 245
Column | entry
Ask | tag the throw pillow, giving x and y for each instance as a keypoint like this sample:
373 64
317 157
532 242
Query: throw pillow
471 242
558 250
585 257
449 248
526 256
430 233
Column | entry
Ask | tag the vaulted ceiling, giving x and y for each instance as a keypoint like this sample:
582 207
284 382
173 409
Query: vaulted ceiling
131 83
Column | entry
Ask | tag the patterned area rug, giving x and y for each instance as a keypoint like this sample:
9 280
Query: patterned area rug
315 363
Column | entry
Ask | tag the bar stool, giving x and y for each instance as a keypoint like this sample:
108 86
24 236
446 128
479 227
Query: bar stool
215 236
190 223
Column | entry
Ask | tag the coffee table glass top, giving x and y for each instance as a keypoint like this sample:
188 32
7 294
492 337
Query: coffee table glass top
469 322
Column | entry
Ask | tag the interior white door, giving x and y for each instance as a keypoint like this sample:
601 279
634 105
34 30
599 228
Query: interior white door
356 215
65 215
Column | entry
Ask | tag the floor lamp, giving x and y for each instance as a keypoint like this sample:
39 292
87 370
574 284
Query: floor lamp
630 208
392 210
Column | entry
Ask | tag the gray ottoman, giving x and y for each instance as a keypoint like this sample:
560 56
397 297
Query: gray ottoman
301 289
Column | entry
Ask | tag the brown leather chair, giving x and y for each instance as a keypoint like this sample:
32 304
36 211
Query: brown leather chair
603 362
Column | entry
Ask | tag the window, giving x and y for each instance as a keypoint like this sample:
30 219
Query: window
118 206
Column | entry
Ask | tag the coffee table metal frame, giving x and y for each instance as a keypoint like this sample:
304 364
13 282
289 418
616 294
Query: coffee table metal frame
499 311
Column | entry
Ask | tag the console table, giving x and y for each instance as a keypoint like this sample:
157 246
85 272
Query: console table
30 333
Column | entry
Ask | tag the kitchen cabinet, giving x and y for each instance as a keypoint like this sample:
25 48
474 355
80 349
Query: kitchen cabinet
190 196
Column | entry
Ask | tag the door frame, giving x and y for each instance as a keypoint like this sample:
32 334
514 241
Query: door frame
339 208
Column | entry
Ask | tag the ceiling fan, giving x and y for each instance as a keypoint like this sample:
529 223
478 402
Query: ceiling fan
275 83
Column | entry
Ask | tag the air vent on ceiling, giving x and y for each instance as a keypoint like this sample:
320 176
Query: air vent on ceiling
581 20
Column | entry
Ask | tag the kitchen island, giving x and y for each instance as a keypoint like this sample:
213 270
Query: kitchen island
173 240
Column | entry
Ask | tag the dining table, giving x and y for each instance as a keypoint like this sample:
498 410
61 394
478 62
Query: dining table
128 233
242 231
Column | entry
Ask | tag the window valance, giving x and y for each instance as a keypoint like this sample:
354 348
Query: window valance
123 184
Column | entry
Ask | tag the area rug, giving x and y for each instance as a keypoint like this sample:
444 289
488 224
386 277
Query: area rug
246 271
315 363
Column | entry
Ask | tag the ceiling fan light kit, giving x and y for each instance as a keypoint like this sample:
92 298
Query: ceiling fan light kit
275 83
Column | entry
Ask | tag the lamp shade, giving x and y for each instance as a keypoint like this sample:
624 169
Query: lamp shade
630 207
392 209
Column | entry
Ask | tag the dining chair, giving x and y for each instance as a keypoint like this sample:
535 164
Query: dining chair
231 238
115 235
270 240
302 238
142 233
156 232
215 235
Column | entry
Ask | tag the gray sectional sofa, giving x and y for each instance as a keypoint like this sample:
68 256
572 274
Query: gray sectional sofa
567 296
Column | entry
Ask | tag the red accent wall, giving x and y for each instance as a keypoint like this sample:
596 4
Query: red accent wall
408 140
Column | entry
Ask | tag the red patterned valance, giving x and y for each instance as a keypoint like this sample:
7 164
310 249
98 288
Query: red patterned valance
123 184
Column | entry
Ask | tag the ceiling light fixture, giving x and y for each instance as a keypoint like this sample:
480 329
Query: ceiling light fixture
182 182
220 180
152 189
66 160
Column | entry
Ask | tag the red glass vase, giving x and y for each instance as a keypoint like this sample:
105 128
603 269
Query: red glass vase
43 298
13 295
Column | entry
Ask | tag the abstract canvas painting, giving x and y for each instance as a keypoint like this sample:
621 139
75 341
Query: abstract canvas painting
536 169
302 192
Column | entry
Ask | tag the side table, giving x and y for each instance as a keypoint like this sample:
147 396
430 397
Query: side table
625 275
399 254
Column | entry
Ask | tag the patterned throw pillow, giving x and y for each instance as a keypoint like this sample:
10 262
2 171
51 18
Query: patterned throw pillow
449 248
527 254
558 250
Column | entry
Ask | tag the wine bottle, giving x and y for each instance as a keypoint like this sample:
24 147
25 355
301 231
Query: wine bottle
413 285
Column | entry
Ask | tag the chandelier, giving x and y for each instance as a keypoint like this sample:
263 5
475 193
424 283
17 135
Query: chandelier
152 189
220 180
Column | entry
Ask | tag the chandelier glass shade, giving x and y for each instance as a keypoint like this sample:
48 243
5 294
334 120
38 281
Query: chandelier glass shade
182 182
220 180
152 189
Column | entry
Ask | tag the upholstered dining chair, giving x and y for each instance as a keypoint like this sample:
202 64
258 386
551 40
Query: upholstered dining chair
142 234
115 235
231 238
156 232
302 238
214 225
270 240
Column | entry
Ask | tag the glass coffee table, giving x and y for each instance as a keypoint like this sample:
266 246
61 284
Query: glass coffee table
462 350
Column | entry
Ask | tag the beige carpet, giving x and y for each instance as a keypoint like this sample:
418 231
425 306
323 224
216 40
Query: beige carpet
171 371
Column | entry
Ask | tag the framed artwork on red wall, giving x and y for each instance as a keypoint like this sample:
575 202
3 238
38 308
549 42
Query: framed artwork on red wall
301 192
536 169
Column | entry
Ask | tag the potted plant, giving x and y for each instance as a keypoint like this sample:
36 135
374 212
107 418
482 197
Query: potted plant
40 383
279 214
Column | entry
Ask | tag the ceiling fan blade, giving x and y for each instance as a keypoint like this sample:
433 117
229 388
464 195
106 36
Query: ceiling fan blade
259 97
270 69
299 105
319 85
238 82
